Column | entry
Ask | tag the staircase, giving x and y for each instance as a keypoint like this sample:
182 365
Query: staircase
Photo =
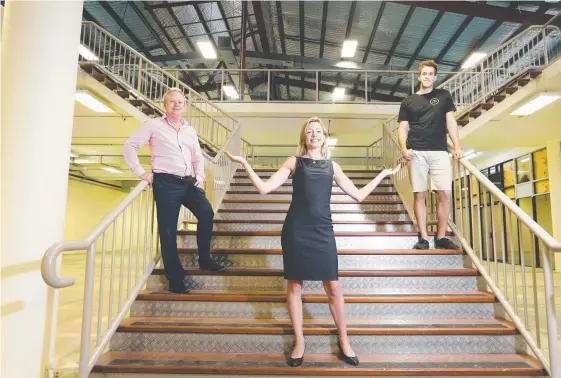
499 95
414 313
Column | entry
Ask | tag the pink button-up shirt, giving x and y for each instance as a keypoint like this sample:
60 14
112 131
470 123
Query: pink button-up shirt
173 151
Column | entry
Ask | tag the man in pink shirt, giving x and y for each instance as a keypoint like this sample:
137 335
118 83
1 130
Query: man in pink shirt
177 179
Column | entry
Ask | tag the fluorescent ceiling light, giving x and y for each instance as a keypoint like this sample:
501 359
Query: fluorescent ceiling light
472 155
73 155
331 141
473 59
551 1
231 92
536 104
86 53
111 169
338 93
525 160
207 49
91 102
83 161
349 48
347 64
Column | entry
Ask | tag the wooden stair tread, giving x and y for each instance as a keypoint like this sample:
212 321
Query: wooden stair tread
290 177
258 272
318 364
257 251
337 202
320 297
337 233
335 211
318 326
272 170
289 184
290 192
280 221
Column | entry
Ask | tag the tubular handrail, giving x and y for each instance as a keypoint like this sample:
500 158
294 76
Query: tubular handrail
499 48
48 263
464 230
538 230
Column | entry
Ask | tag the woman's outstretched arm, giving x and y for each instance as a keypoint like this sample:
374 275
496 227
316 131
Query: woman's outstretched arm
359 194
276 180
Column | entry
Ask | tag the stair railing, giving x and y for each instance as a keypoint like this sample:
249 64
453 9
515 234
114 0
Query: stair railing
150 82
536 47
500 239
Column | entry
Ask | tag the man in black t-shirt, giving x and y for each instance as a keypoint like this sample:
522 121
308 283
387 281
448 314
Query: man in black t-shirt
424 120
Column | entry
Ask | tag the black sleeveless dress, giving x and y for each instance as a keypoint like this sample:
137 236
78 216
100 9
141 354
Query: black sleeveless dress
308 243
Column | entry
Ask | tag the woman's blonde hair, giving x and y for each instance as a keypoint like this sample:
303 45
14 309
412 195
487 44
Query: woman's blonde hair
302 148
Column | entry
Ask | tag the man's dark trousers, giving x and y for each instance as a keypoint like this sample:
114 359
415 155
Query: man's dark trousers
170 192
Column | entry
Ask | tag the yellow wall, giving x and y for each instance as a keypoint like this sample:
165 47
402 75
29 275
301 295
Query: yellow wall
86 206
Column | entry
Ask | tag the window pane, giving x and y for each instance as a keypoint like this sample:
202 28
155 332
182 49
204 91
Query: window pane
508 172
541 187
511 193
523 169
540 164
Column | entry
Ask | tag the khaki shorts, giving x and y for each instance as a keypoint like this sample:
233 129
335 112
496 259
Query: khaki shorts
438 164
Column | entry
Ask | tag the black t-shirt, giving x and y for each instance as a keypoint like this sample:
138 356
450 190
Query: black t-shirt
426 114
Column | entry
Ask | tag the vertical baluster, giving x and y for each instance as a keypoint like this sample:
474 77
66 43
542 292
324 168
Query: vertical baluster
138 236
112 276
494 237
480 220
505 254
121 273
486 195
101 287
146 228
131 238
512 262
87 311
522 272
535 287
549 288
461 222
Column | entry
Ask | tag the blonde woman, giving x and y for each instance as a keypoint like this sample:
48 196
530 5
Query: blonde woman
308 242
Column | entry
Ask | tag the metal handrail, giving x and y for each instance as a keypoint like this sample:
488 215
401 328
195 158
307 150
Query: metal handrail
48 263
393 155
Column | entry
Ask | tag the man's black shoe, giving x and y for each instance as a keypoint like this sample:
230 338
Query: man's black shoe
421 244
211 265
444 243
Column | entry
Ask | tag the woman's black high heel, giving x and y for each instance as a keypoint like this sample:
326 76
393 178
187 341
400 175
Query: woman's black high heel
295 362
348 359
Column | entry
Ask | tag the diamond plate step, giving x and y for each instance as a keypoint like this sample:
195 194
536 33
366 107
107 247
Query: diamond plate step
346 262
357 181
336 215
271 239
335 205
338 226
318 326
287 196
352 280
149 365
287 188
362 305
315 344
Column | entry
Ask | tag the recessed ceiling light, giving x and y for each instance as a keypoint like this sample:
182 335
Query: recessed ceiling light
207 49
473 59
91 102
338 93
83 161
231 92
111 169
331 141
536 104
349 49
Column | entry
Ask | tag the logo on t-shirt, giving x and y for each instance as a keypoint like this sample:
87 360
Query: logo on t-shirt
434 101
